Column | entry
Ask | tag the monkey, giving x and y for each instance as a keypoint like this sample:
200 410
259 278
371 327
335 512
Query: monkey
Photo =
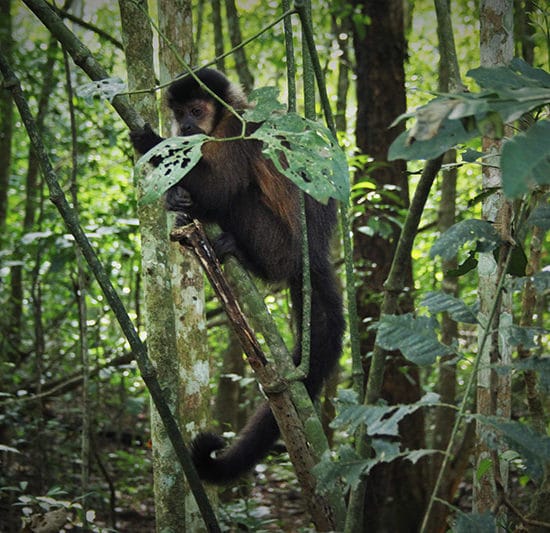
258 210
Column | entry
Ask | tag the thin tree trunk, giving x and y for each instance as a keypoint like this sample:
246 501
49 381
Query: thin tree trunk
395 497
192 395
218 35
449 80
241 64
493 390
6 117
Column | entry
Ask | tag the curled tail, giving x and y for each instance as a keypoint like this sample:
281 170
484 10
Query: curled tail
261 431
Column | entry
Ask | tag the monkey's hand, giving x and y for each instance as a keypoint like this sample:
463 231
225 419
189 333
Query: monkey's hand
225 245
145 139
179 200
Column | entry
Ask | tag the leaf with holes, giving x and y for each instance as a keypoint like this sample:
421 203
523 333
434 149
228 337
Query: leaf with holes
173 159
312 160
106 89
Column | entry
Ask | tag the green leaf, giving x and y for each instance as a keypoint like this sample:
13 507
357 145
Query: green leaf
348 465
517 75
472 230
176 156
438 302
380 420
483 468
313 160
525 160
265 103
469 264
524 336
536 76
540 281
532 446
470 155
450 134
475 523
540 365
518 261
540 217
415 337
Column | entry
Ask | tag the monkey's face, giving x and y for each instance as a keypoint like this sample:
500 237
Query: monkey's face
194 116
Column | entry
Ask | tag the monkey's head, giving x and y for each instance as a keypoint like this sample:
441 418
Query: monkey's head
197 111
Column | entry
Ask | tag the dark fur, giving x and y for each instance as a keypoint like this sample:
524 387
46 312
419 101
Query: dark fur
258 209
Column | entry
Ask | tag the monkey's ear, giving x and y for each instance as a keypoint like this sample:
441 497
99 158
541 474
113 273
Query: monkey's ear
172 159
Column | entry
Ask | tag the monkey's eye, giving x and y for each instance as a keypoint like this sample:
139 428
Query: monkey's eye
196 112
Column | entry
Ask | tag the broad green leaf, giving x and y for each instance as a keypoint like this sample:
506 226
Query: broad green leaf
313 160
472 230
450 134
379 419
525 160
415 337
265 103
466 266
540 365
526 337
540 217
175 156
347 465
470 155
533 447
535 75
448 120
540 281
475 523
517 75
438 302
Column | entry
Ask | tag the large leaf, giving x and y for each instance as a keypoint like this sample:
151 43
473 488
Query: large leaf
349 467
532 446
517 75
540 217
381 420
472 230
540 365
415 337
446 134
264 104
451 119
525 160
174 157
313 160
438 302
475 523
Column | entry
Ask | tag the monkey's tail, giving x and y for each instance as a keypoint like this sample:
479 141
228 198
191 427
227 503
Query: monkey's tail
261 431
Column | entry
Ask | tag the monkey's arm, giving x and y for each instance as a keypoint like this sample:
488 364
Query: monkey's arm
145 139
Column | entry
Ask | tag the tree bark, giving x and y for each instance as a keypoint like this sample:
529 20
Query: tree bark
493 389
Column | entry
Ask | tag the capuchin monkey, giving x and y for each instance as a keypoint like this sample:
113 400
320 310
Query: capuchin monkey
258 209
